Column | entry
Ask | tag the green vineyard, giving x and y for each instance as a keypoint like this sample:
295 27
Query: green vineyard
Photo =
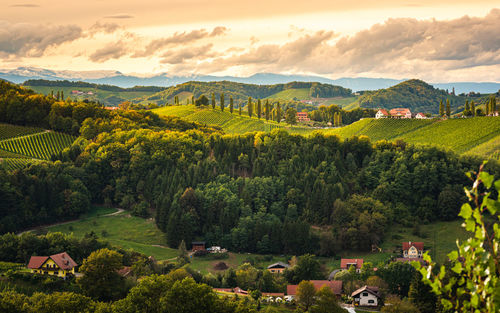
17 163
11 131
478 135
230 123
40 146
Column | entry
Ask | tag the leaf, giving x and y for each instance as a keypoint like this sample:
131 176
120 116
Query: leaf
465 211
486 178
453 255
457 268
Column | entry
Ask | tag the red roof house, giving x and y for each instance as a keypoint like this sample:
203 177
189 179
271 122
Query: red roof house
59 264
382 113
345 264
400 113
413 249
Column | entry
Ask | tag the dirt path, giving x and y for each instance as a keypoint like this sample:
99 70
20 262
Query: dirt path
115 213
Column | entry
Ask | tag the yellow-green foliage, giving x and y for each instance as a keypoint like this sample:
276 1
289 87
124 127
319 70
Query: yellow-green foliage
292 94
474 135
41 146
16 163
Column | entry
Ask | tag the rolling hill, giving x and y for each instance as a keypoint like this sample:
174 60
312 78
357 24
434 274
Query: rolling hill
477 136
230 123
414 94
240 92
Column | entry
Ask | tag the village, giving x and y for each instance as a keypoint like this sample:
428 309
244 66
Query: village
367 296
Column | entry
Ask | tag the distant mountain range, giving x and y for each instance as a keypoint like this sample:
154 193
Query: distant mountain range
117 78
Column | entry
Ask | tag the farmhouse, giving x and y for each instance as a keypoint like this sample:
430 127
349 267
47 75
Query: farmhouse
420 116
198 245
58 265
302 117
345 264
400 113
366 296
382 113
335 286
278 267
413 249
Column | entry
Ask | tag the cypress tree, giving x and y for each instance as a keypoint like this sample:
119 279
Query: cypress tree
58 96
278 113
222 102
473 108
192 100
249 107
448 111
441 108
487 107
213 100
466 108
267 110
231 104
239 108
339 117
493 102
62 95
259 108
52 93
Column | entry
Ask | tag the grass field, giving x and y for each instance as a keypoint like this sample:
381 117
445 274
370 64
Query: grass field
230 123
8 131
103 96
40 145
345 103
477 135
291 94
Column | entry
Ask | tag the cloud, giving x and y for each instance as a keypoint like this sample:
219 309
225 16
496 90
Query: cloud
107 28
113 50
399 46
182 55
32 40
119 16
25 5
179 39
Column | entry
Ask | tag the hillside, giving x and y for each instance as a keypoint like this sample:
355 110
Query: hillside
414 94
230 123
105 94
477 135
240 92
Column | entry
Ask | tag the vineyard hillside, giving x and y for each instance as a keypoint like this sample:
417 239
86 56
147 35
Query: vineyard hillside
41 145
230 123
8 131
479 135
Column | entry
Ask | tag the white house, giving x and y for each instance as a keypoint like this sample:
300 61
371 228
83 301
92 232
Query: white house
381 114
420 116
413 249
366 296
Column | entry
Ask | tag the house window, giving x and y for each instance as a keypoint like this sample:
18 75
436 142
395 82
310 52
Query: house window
371 301
365 294
56 273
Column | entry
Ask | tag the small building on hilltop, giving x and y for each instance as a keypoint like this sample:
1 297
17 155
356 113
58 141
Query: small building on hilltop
382 113
60 265
278 267
400 113
198 245
420 116
413 249
366 296
345 264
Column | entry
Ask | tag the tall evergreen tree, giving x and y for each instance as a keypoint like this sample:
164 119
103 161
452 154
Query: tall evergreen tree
448 111
231 104
278 112
473 108
487 107
213 100
192 100
249 106
222 102
239 107
259 109
493 102
466 108
62 95
268 109
58 95
441 108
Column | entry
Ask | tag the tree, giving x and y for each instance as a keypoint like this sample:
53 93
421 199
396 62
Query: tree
278 112
291 116
472 281
182 258
100 279
441 108
231 104
421 295
448 112
307 267
398 277
305 294
187 296
393 304
326 302
466 108
250 106
222 102
259 109
473 108
239 108
268 110
192 100
493 102
213 100
202 100
487 107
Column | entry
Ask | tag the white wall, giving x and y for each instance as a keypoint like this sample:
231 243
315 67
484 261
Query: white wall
363 300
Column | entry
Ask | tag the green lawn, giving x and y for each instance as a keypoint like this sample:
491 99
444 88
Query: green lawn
292 94
122 230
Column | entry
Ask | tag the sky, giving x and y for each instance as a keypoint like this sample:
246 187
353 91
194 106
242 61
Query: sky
438 41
